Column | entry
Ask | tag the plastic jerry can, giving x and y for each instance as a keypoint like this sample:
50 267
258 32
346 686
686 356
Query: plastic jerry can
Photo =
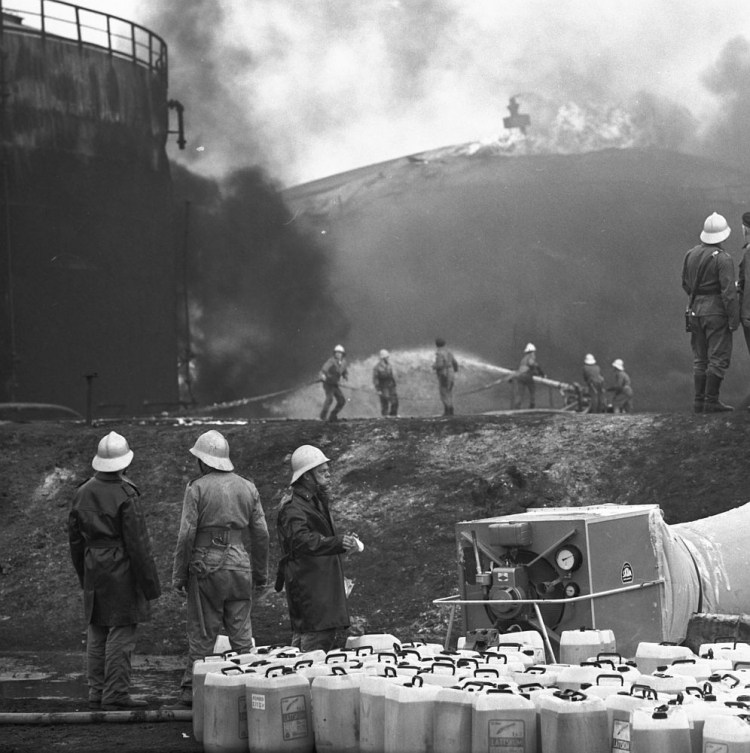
698 669
200 669
529 639
649 656
409 717
335 711
666 683
372 710
726 734
571 722
503 721
279 714
620 707
224 711
452 721
579 645
664 729
607 684
374 641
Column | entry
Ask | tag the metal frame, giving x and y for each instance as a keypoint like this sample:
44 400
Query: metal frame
136 43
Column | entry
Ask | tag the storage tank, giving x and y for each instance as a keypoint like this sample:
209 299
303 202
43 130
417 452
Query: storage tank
86 245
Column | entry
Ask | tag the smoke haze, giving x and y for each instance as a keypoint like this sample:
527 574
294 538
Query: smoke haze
316 88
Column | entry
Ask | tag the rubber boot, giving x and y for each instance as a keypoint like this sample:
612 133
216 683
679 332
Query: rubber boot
713 404
700 392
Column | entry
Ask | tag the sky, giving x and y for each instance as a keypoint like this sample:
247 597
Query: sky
310 89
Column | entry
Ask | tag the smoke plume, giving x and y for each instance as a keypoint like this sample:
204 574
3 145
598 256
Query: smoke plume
261 310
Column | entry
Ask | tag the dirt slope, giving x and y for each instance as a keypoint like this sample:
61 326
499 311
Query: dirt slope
400 484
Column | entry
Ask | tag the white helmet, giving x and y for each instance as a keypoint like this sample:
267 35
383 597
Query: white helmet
339 349
618 364
715 229
530 348
213 449
304 459
590 360
383 353
113 453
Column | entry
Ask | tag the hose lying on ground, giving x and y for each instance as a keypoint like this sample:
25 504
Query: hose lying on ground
96 717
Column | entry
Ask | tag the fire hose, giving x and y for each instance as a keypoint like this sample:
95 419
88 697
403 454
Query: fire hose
96 717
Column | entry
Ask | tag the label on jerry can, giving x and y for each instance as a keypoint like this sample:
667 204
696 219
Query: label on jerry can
294 717
508 736
620 735
258 701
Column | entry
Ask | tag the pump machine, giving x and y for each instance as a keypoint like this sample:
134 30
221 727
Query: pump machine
562 569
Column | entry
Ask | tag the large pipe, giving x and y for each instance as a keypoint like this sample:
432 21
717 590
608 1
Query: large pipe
97 717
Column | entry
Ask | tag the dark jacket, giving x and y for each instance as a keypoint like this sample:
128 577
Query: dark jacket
311 561
111 551
592 375
333 371
382 376
529 368
716 290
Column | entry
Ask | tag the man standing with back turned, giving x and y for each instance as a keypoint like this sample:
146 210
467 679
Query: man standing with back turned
445 368
211 563
112 555
713 312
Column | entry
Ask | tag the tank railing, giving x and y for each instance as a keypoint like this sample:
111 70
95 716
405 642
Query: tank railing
55 18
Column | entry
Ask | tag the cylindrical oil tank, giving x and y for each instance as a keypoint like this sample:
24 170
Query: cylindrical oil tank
87 248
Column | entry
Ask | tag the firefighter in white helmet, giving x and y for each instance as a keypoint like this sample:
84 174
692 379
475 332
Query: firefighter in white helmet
222 516
622 399
524 376
334 370
713 312
111 552
311 567
592 376
385 384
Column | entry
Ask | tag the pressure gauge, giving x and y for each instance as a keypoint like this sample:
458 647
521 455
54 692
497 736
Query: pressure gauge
568 558
572 590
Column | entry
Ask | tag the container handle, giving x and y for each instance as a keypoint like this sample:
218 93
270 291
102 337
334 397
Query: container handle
364 649
338 655
227 670
607 654
279 669
336 669
683 661
535 670
609 676
389 671
405 651
486 672
645 691
302 663
388 655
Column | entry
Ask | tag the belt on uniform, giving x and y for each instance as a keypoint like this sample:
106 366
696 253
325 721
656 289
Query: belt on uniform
104 543
217 536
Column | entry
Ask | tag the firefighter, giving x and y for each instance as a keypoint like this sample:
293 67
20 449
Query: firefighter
311 566
385 385
111 552
445 368
622 398
527 370
742 286
592 376
334 370
713 312
220 510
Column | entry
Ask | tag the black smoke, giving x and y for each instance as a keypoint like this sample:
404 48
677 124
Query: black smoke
262 316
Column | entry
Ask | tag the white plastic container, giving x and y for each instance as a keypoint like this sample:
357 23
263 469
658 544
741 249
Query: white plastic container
279 714
452 721
503 721
726 735
200 669
335 711
620 707
372 711
571 722
664 729
224 711
649 656
375 641
409 717
579 645
529 639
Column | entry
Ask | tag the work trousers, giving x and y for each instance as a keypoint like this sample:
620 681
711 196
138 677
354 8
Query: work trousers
388 402
711 341
315 640
623 402
523 386
596 398
109 654
332 391
224 599
746 330
445 385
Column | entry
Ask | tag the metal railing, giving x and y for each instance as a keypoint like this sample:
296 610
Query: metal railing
89 28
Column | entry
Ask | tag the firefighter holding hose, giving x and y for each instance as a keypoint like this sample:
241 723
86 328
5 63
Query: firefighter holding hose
221 511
